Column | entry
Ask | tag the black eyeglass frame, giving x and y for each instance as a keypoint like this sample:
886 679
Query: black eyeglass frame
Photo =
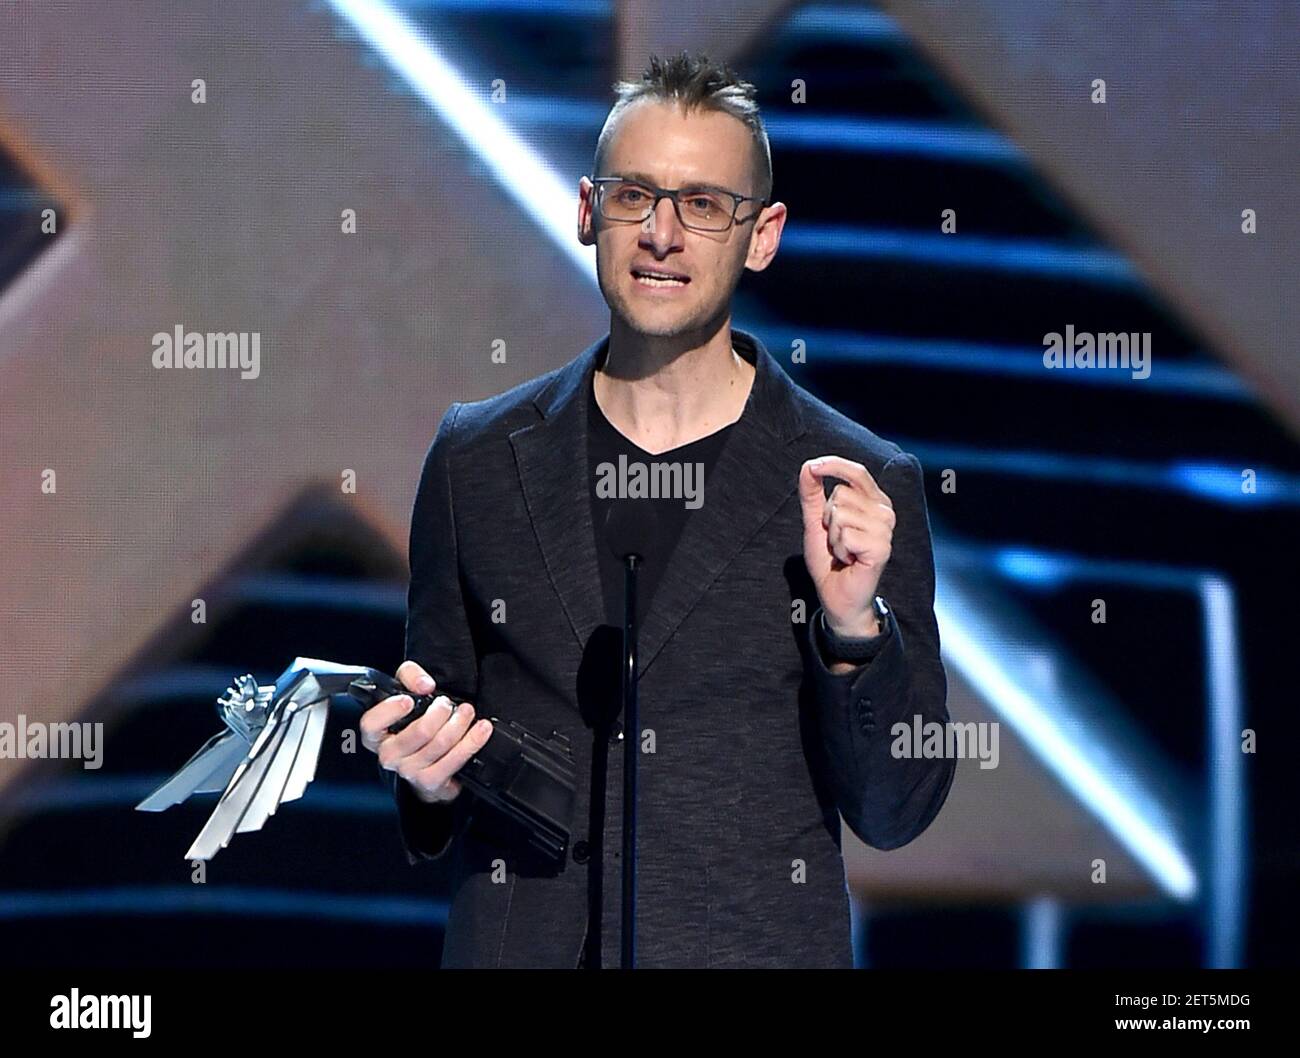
662 192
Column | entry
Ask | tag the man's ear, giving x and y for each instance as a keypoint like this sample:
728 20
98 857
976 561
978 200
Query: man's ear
766 237
586 219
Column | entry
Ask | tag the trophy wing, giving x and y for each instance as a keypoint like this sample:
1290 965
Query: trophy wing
281 761
206 772
304 768
293 754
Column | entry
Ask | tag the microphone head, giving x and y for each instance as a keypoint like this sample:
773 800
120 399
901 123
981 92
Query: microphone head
630 526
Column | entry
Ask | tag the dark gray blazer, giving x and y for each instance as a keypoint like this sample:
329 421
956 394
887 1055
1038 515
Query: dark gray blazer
759 748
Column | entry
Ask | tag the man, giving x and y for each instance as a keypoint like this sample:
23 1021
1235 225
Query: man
784 631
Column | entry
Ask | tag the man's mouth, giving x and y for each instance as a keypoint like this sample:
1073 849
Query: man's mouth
658 277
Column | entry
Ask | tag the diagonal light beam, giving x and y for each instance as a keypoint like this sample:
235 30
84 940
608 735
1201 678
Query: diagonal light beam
517 168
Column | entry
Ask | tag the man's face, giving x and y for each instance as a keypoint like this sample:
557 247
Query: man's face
659 144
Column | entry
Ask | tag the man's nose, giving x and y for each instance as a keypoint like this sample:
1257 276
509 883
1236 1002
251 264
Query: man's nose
664 228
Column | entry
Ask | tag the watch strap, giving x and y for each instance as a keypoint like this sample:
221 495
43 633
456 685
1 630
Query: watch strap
856 648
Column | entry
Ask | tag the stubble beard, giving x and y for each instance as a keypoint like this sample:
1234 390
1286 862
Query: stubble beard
656 323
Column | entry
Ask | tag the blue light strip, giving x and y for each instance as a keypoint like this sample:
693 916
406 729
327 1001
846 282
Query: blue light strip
819 132
1041 925
288 589
545 8
960 251
1221 484
925 139
89 791
850 348
239 901
1055 568
22 199
841 24
1226 907
557 112
176 682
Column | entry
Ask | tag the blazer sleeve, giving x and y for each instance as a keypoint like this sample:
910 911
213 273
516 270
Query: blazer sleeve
437 636
885 800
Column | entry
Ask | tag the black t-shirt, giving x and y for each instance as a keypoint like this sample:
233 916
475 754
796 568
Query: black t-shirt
604 446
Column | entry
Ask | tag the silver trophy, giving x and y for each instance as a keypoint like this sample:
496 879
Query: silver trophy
267 755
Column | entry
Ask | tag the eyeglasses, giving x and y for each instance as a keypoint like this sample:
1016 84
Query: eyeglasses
698 208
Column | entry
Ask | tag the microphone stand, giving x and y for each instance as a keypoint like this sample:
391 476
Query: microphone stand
591 959
629 533
631 746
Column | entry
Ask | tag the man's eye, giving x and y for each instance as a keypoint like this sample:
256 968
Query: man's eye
631 195
702 204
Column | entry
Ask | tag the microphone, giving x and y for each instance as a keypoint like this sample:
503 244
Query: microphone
630 526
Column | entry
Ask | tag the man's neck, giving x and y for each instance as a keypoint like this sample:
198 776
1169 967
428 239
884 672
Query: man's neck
662 395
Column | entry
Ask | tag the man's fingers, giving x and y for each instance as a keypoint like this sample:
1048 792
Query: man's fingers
851 509
376 720
849 539
837 495
393 748
413 677
812 496
845 501
447 736
854 541
441 770
847 470
840 542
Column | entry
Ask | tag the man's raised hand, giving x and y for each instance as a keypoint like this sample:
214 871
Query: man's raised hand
847 538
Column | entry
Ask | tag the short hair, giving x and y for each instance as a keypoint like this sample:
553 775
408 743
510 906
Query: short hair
695 82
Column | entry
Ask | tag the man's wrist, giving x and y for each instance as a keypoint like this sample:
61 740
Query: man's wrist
867 627
874 622
843 650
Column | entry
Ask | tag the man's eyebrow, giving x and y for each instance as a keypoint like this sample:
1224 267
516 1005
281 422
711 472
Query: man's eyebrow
696 185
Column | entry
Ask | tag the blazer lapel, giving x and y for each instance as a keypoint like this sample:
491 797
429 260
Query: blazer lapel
756 472
552 459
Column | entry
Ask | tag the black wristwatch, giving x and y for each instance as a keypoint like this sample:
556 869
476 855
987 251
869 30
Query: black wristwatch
857 648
